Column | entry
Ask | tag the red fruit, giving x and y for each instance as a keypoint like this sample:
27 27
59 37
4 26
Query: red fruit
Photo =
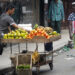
48 37
42 34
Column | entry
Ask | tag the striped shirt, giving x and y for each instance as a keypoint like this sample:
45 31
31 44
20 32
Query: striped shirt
56 11
71 17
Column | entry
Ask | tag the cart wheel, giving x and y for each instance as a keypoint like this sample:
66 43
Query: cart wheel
51 66
37 70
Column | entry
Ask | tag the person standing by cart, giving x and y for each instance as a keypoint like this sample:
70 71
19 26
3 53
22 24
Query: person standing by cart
71 18
6 21
56 15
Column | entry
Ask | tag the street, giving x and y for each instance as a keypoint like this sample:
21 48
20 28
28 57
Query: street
63 65
27 21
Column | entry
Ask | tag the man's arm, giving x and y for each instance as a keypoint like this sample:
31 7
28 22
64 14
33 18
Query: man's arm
49 12
17 27
70 24
12 23
62 12
9 28
70 28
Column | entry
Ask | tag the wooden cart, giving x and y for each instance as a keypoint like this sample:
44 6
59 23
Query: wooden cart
35 40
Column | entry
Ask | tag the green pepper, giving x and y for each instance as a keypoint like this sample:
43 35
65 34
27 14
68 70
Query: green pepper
36 25
23 67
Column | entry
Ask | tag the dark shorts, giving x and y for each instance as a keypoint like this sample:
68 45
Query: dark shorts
49 46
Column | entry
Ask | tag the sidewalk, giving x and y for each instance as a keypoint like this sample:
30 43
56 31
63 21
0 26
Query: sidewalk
5 58
63 41
64 64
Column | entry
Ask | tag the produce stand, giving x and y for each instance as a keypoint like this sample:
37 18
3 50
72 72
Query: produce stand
36 40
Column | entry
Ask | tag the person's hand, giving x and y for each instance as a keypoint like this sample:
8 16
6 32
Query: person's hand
25 30
28 31
63 21
22 28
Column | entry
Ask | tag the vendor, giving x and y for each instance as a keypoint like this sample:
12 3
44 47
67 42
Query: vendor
71 18
6 21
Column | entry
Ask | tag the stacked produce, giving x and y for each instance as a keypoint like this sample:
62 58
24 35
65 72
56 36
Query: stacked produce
35 57
50 31
40 31
23 67
46 32
17 34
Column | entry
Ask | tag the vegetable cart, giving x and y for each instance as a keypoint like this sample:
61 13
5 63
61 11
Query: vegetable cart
45 57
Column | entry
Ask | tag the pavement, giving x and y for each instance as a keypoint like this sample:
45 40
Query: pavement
5 61
64 64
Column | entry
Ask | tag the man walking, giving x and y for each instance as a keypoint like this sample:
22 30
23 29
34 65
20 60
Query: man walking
56 14
71 19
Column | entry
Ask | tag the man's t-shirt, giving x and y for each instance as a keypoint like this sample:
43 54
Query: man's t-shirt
71 17
5 21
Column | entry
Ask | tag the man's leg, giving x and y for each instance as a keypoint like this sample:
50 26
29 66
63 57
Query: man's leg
49 46
70 31
52 24
58 26
1 49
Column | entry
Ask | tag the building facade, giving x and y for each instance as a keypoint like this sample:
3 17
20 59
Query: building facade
36 11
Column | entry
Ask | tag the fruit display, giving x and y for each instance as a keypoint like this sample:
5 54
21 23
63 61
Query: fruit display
17 34
23 67
38 32
54 33
41 27
35 57
35 26
48 29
